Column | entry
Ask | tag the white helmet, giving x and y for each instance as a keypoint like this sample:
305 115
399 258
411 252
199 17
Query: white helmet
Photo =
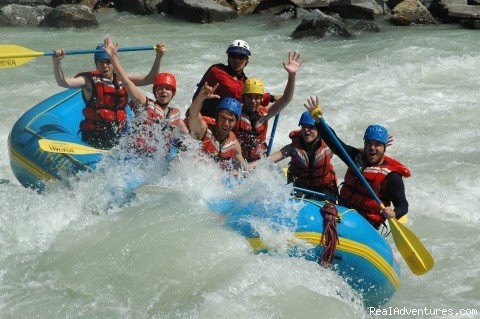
239 47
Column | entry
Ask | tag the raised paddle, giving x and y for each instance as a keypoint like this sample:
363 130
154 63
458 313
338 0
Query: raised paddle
12 55
61 147
417 257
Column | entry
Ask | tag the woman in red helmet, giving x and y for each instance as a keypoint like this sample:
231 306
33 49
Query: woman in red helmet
104 95
158 111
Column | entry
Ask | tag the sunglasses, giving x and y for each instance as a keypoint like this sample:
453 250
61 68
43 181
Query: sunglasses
237 56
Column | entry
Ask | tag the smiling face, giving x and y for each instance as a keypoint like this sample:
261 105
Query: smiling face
309 133
251 102
373 151
105 67
164 94
237 61
225 123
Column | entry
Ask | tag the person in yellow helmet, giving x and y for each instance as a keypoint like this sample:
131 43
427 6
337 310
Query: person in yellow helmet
252 126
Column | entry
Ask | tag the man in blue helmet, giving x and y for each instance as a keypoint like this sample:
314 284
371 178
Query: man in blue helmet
310 166
104 95
384 174
216 133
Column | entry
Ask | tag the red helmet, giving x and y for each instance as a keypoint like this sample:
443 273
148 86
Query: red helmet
165 79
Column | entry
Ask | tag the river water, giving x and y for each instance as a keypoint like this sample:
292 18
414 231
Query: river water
84 251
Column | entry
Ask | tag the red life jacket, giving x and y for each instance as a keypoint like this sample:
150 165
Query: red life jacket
230 84
355 195
307 173
221 152
156 115
252 139
107 105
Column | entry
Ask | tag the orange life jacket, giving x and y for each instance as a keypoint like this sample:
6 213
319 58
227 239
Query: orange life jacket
146 141
156 114
106 107
354 194
310 173
221 152
252 138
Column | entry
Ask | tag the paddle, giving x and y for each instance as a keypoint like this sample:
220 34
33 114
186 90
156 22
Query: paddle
307 191
12 55
417 257
61 147
272 134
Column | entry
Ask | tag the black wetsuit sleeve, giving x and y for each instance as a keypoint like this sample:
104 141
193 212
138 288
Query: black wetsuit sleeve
351 151
396 192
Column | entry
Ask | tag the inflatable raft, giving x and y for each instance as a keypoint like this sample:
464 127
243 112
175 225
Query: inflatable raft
362 256
55 119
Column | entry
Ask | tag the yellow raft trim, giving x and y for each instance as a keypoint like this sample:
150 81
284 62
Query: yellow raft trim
346 245
28 165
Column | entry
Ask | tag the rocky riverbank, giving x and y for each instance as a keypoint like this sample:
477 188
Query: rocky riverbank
317 18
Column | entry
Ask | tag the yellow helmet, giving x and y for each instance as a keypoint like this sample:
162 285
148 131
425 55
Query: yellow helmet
253 86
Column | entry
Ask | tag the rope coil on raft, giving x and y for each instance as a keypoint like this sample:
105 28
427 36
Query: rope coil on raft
329 239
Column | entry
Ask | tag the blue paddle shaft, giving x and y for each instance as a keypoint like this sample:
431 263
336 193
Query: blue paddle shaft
272 135
72 52
351 164
307 191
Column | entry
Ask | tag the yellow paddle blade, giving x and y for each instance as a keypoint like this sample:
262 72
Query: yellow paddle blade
411 248
403 219
67 148
12 55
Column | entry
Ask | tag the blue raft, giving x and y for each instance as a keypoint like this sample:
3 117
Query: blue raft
56 118
362 256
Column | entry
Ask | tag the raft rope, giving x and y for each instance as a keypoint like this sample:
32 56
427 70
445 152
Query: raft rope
329 237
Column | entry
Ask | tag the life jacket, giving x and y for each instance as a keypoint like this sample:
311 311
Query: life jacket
106 107
221 152
252 136
231 85
156 114
354 194
146 138
309 172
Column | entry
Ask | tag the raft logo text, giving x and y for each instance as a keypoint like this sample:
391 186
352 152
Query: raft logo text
425 311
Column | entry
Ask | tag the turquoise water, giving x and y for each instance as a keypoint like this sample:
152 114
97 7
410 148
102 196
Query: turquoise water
73 252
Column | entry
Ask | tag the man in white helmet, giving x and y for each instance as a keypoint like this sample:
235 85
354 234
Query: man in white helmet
229 77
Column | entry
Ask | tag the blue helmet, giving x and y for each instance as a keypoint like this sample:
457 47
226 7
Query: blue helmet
239 47
376 133
231 104
306 119
103 56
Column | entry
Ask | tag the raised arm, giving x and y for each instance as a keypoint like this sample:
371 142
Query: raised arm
313 106
276 157
139 80
195 121
135 94
292 66
239 157
62 81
